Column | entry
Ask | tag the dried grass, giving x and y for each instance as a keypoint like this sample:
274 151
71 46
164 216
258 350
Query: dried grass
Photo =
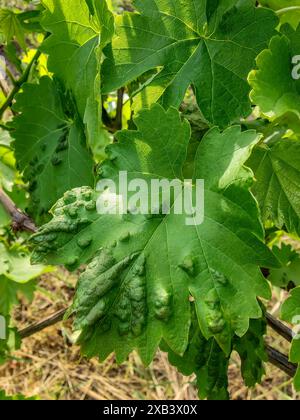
49 366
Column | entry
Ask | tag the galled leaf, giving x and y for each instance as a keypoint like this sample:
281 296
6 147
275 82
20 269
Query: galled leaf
136 289
50 144
206 360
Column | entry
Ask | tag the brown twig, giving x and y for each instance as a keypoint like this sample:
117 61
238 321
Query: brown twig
280 328
281 361
116 123
4 87
276 358
20 220
41 325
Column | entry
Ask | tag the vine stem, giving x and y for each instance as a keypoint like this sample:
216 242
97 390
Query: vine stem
41 325
20 220
276 325
281 361
287 9
18 83
280 328
275 357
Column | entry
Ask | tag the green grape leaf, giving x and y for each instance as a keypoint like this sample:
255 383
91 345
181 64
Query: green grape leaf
210 45
288 10
276 89
11 26
135 290
78 35
277 171
10 291
251 349
205 359
289 273
15 264
50 144
17 275
290 312
9 341
10 51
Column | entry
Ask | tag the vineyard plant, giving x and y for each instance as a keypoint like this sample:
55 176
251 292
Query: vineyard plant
203 92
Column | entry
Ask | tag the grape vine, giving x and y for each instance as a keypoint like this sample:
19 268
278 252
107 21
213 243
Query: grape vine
160 90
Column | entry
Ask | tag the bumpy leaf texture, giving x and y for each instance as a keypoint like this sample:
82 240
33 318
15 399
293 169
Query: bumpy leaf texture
275 88
209 45
143 268
291 313
210 364
79 31
277 170
50 144
205 359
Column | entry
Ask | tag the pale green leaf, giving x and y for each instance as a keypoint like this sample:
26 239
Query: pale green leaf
15 264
